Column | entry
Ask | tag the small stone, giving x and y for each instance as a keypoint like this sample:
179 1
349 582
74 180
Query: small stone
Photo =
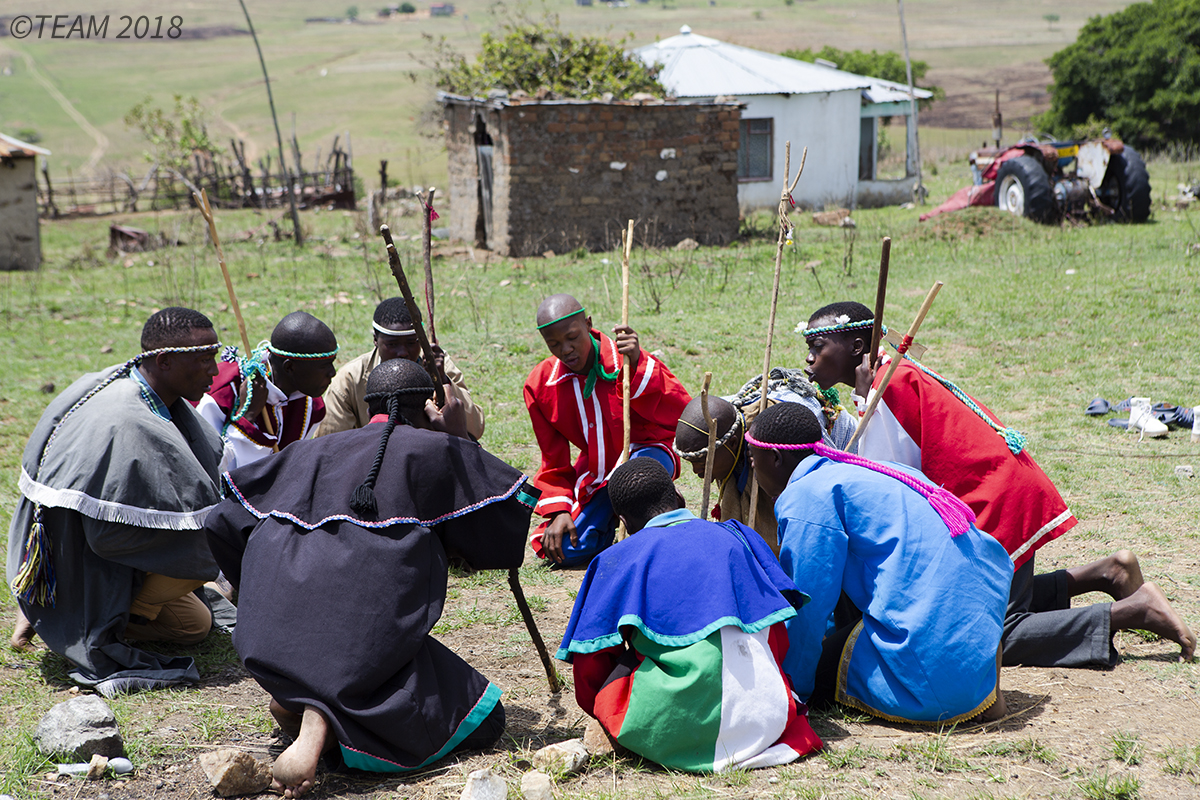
106 349
234 772
47 388
80 728
483 784
569 756
1184 471
537 786
120 766
687 244
548 254
595 739
97 767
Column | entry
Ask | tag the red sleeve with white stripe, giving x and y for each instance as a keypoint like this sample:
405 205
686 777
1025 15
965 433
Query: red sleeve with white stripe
556 476
657 396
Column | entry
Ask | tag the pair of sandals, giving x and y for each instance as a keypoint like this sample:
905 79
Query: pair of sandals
1167 414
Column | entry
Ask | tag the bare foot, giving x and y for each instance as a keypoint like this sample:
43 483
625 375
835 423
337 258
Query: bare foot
23 632
1148 609
1118 576
288 721
295 770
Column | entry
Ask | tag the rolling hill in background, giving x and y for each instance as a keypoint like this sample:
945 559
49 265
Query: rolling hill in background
358 77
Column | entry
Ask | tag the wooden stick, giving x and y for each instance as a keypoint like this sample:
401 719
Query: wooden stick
885 258
712 446
552 676
207 213
785 205
626 371
415 312
891 370
427 254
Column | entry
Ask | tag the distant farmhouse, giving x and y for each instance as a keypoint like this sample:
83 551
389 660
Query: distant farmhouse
20 238
527 175
834 113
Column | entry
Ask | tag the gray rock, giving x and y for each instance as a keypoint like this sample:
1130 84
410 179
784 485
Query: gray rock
80 728
569 756
483 784
537 786
235 772
596 740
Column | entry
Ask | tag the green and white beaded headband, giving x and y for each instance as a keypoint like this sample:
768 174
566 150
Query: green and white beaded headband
560 319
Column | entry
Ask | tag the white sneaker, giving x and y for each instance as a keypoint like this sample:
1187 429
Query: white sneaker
1142 419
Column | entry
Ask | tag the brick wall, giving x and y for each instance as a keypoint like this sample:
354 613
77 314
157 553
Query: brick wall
570 174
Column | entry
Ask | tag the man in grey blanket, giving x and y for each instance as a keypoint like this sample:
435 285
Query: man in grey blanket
106 545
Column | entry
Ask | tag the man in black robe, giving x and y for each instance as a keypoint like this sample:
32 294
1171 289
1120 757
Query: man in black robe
340 586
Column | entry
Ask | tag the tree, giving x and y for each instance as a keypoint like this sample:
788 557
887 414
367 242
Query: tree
888 65
1136 71
352 13
531 55
175 139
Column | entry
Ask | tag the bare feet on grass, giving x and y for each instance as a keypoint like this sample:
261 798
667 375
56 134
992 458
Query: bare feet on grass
23 632
1148 609
1118 576
295 770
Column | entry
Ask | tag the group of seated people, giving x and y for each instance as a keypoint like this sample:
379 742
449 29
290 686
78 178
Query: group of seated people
895 580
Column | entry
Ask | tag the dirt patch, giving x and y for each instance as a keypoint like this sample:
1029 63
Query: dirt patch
973 222
970 96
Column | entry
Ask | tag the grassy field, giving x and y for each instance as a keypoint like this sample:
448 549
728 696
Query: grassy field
340 77
1034 320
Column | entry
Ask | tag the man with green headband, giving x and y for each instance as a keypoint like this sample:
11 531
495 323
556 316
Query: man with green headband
272 397
574 398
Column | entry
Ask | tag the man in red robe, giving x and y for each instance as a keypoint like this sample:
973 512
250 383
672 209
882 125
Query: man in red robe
574 398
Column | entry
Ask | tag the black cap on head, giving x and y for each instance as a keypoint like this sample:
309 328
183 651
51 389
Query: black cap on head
853 311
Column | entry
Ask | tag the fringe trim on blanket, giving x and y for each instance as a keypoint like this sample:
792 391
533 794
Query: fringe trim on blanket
108 511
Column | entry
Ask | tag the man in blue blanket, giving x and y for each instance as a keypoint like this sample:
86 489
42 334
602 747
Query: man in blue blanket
677 637
918 638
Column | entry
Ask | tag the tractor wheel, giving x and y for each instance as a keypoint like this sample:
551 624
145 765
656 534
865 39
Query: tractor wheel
1126 186
1023 187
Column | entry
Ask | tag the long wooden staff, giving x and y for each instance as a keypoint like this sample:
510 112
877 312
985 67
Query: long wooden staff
885 258
415 313
427 255
712 446
207 212
626 371
891 370
552 676
785 205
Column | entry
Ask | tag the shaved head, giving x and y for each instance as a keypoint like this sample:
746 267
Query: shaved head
555 307
301 332
688 438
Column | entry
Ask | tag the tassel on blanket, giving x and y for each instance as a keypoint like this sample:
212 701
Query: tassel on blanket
35 581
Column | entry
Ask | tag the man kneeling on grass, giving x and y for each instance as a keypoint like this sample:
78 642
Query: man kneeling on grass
677 636
341 586
917 638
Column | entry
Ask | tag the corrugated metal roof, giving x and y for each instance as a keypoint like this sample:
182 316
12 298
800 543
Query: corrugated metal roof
15 148
697 66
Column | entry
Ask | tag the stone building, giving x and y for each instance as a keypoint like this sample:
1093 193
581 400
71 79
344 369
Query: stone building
527 176
20 238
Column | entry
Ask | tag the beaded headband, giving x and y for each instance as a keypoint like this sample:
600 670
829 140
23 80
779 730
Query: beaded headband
560 319
302 356
389 332
953 511
843 324
696 455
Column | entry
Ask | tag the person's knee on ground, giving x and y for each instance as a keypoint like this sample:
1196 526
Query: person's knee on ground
487 734
1118 576
184 620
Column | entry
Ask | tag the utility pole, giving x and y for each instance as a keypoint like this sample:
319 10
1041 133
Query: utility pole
914 141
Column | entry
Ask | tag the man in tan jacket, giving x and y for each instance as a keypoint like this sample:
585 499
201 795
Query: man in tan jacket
394 337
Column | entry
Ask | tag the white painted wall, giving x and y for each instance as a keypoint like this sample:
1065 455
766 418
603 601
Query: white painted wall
20 247
828 124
